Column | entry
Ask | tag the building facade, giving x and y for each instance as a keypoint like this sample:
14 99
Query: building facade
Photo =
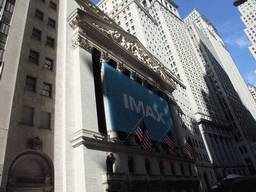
235 101
247 9
78 79
252 91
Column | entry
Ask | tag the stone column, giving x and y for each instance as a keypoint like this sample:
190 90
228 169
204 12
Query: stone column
216 150
211 149
222 152
112 134
236 152
229 157
231 151
177 124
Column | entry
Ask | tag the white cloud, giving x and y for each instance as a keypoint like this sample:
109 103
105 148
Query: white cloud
240 42
251 78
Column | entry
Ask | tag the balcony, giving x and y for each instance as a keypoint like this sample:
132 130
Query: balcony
123 177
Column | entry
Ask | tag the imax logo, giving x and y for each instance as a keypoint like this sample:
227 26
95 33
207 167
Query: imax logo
131 104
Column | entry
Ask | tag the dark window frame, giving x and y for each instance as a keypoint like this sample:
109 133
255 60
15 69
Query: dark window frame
48 63
47 89
53 5
39 14
51 22
34 56
50 41
31 83
37 34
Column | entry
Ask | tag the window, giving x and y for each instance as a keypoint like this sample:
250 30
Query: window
48 63
53 5
9 7
30 83
47 90
50 42
45 120
36 34
133 27
39 14
4 28
131 21
125 18
51 22
127 24
34 57
27 115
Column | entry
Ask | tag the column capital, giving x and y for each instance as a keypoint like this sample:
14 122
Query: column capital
82 42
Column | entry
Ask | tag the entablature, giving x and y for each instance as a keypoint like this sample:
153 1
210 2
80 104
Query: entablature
118 45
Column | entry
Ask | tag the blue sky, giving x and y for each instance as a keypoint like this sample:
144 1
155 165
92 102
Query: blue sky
226 18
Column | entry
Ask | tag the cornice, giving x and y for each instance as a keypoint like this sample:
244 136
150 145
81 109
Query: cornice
99 141
120 45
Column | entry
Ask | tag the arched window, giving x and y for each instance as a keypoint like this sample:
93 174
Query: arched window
32 170
131 165
147 166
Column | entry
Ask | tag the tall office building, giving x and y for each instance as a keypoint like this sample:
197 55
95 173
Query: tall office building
76 87
80 80
252 90
233 96
167 38
247 9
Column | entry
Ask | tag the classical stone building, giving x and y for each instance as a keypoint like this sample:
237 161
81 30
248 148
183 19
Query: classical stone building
75 85
57 133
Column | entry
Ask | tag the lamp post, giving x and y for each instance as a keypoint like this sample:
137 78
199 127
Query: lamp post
239 2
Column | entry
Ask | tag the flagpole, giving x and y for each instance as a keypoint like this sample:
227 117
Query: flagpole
135 127
164 135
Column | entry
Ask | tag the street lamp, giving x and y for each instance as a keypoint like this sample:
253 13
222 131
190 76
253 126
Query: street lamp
238 2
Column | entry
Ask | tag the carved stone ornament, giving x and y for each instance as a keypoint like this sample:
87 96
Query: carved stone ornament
34 143
83 43
128 44
104 57
120 67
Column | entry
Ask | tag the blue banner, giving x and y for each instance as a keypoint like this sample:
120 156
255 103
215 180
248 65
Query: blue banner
129 102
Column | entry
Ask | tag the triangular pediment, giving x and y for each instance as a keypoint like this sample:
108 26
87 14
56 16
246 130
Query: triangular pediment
103 31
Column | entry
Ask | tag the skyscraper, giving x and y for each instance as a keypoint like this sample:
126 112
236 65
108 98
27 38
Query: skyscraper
247 9
252 90
79 79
